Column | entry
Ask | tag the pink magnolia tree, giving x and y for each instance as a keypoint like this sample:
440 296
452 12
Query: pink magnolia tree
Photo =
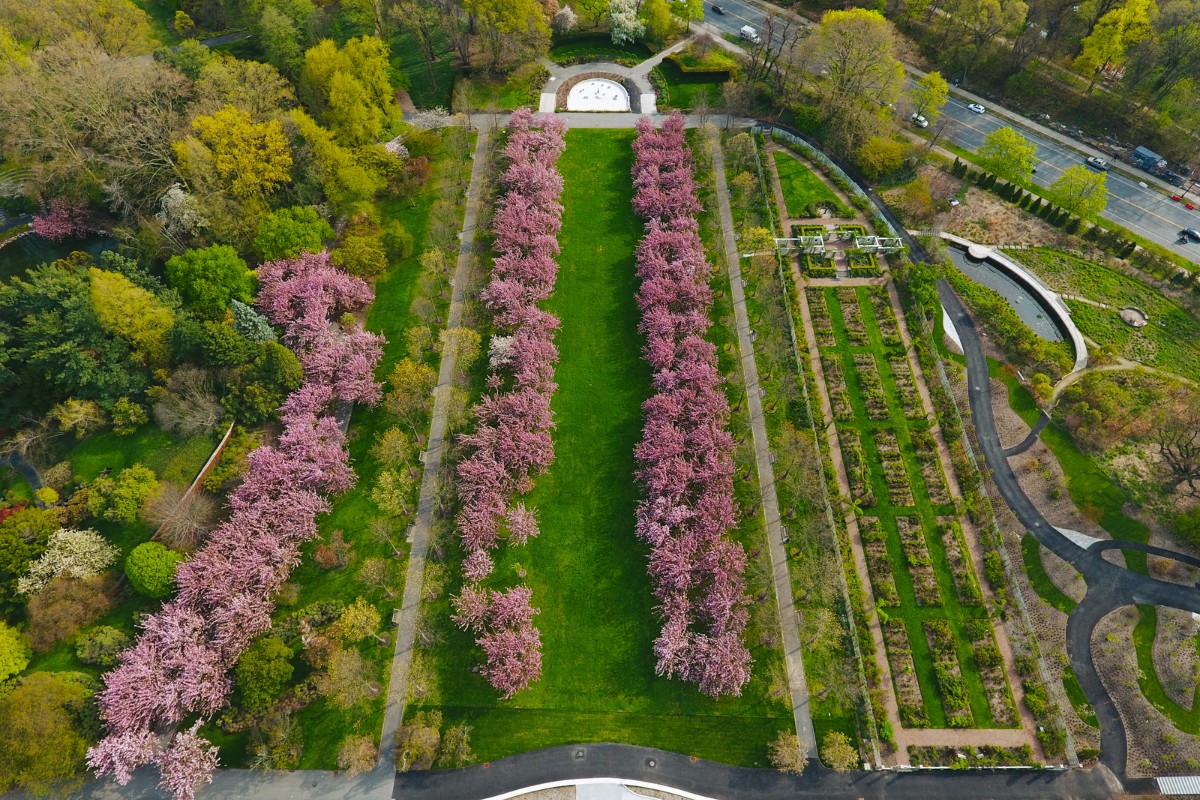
512 444
685 456
179 667
64 219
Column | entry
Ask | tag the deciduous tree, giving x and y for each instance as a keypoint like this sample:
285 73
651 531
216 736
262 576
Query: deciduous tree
929 95
851 53
249 158
209 278
1008 154
41 741
1081 191
151 569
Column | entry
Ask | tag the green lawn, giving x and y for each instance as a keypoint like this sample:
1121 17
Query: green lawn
1170 342
803 189
1187 720
1078 699
685 88
430 85
162 19
913 615
587 570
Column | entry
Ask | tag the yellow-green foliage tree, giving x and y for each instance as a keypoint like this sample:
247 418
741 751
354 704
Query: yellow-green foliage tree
929 95
133 313
350 88
1008 154
1081 191
251 159
1114 34
348 186
852 56
513 30
41 744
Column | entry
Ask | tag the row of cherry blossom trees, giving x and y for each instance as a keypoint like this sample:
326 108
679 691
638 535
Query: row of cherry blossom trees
179 666
685 456
511 444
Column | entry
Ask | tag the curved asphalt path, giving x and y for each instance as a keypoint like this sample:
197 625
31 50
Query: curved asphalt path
1028 441
1109 586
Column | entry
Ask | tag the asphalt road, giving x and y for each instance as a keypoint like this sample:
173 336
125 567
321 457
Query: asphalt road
708 779
1144 210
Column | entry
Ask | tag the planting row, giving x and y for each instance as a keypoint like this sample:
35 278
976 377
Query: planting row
907 544
685 456
511 444
179 666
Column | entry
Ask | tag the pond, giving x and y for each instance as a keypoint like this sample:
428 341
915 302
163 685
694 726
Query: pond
32 250
1027 305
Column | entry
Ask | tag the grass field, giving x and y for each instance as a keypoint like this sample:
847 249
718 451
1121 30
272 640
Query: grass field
1170 342
587 569
1187 720
430 85
803 188
1038 578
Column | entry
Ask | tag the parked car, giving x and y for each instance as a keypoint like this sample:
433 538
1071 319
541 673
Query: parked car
1097 163
978 109
1190 233
919 121
718 9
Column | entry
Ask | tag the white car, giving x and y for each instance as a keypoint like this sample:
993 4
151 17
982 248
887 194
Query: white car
1097 163
919 121
978 109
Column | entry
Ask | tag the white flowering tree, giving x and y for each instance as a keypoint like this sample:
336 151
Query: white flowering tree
71 553
626 27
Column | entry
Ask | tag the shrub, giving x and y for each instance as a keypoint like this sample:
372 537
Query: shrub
262 673
14 652
101 645
151 569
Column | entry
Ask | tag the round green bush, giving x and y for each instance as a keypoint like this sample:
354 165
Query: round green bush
151 569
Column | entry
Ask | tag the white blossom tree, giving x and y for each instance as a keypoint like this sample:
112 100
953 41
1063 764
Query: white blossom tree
71 553
626 26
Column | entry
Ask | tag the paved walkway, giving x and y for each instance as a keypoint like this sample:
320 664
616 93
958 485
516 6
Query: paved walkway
561 765
797 684
414 578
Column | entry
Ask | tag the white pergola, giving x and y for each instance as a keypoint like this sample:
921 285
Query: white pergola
808 244
878 243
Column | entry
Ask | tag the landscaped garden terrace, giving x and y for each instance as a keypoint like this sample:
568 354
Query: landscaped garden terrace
947 669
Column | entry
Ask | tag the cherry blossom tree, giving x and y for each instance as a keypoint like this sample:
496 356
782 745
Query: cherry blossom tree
512 443
685 456
64 219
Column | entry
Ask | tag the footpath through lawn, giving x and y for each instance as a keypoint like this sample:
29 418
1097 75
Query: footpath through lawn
587 569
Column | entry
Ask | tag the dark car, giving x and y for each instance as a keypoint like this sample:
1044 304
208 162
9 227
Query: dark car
1190 233
718 9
